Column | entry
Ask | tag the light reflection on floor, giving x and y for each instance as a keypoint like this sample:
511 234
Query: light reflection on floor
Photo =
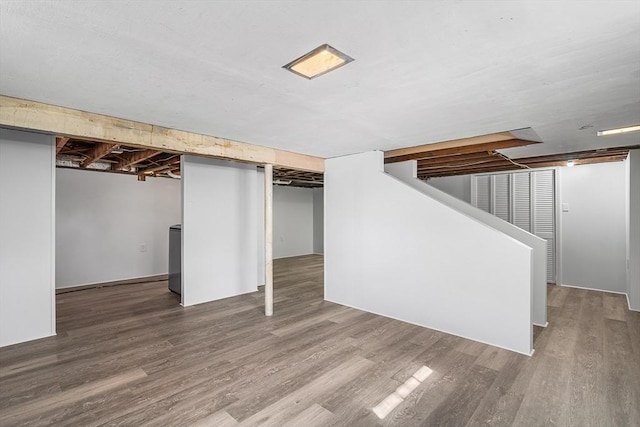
390 402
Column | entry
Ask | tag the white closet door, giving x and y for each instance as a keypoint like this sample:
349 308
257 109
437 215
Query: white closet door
522 201
501 197
483 193
544 215
527 200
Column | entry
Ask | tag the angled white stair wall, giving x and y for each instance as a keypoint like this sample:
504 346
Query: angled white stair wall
394 251
407 173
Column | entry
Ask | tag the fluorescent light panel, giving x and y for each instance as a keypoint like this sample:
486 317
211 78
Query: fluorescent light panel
319 61
619 130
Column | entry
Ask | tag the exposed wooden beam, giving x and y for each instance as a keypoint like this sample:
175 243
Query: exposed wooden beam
468 169
60 143
458 159
464 172
580 158
464 145
130 159
586 161
166 164
78 124
99 151
446 151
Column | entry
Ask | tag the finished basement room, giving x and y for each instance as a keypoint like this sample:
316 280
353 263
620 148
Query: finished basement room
390 213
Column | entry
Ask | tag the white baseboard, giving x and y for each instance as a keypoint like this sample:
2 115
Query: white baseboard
629 305
593 289
143 279
294 256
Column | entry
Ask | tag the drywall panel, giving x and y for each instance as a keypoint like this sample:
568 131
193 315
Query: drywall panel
112 226
633 227
292 221
392 250
406 171
27 268
593 230
219 229
457 186
318 220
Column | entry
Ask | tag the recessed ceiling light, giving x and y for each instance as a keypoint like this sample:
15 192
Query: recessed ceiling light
619 130
571 163
319 61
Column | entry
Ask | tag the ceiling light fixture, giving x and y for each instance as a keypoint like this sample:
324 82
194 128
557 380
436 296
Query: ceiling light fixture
319 61
619 130
571 163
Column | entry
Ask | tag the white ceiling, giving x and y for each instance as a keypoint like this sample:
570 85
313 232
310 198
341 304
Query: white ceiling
424 71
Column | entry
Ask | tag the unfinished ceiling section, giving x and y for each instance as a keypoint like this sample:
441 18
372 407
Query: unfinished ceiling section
119 158
481 155
74 153
464 156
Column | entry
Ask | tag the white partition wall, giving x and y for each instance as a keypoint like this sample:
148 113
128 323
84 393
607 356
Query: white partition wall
407 172
391 250
220 216
27 288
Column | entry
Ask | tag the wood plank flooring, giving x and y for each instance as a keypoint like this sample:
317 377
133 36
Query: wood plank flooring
131 356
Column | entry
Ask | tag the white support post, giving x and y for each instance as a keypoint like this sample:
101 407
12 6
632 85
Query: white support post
268 239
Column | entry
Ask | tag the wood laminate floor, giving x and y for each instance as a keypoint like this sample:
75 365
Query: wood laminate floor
131 356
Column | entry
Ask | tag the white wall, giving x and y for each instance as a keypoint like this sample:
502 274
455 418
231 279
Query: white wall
220 217
407 172
457 186
633 227
27 266
593 231
292 221
393 251
318 220
103 219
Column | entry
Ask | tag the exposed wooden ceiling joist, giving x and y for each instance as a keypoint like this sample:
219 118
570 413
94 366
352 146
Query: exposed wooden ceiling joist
164 165
576 156
133 158
452 160
60 143
475 144
584 161
427 170
78 124
159 163
100 150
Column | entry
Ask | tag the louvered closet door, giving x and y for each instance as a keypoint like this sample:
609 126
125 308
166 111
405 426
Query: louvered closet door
501 196
527 200
483 193
522 200
544 215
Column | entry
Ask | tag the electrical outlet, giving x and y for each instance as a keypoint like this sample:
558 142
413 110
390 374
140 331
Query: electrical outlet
143 247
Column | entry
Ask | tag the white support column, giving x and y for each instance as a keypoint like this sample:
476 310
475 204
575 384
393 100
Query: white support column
268 239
